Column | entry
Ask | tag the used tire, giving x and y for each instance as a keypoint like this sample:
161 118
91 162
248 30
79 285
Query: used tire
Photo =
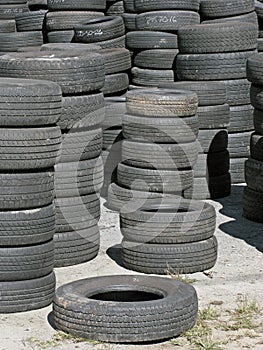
254 174
224 8
256 146
253 205
146 39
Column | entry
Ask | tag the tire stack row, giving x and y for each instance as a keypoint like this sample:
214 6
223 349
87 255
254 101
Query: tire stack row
29 143
63 15
79 170
253 193
159 150
211 171
153 41
219 51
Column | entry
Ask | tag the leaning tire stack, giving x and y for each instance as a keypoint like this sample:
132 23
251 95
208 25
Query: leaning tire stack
79 171
211 171
219 51
160 130
29 142
253 193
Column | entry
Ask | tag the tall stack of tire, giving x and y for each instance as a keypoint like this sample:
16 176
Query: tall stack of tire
79 169
218 51
159 150
29 142
253 193
63 15
211 171
154 40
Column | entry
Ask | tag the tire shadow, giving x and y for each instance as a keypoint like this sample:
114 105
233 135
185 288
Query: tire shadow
114 253
241 228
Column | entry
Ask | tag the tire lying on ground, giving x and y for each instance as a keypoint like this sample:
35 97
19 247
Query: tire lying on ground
146 308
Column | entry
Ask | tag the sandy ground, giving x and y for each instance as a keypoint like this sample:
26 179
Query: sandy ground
238 272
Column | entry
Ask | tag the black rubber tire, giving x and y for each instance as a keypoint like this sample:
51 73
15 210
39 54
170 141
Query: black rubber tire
241 118
159 156
78 178
209 93
26 190
166 181
173 222
100 29
237 170
178 258
155 58
116 60
30 21
250 17
29 148
115 83
161 103
225 8
166 20
237 91
147 308
254 174
211 164
256 96
26 262
213 117
70 47
152 5
72 248
255 69
26 102
161 130
33 294
73 71
258 121
80 144
25 227
115 8
213 66
143 40
129 6
253 205
129 20
7 25
10 42
10 11
67 20
256 146
151 77
113 43
77 4
82 111
213 140
60 36
239 144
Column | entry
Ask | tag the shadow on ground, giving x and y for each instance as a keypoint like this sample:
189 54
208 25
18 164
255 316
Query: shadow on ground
241 228
114 253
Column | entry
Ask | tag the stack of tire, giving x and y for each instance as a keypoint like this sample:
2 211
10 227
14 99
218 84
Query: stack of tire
29 142
63 15
160 130
79 169
211 171
176 237
219 51
253 193
154 40
114 7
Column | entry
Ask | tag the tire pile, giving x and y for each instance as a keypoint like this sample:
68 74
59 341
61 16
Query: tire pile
253 193
29 142
79 169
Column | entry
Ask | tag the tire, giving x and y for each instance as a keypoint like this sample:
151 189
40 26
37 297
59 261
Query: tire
29 148
26 190
166 20
25 227
78 178
213 140
179 258
212 164
152 5
72 248
82 111
60 36
256 96
173 222
10 42
30 21
129 20
161 103
80 145
116 60
115 8
255 69
237 91
166 181
218 37
225 8
159 156
129 6
27 262
26 102
115 83
241 118
100 29
253 205
143 40
209 93
256 146
237 170
115 43
250 17
213 66
155 58
254 174
258 121
213 117
151 77
69 47
75 73
7 26
33 294
78 5
161 130
239 144
10 11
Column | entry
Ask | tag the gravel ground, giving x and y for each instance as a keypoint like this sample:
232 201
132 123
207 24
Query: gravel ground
237 273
